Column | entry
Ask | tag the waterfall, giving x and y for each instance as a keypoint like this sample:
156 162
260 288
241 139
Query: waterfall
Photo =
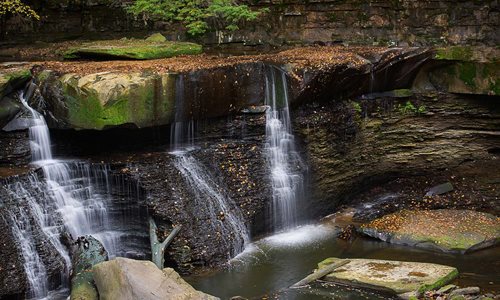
75 198
209 197
284 162
224 215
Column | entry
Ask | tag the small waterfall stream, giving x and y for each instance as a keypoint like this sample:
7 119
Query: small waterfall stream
284 162
73 197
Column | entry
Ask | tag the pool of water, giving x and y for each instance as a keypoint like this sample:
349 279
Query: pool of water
268 266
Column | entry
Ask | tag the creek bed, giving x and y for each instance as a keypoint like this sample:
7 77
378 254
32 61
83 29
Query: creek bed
268 266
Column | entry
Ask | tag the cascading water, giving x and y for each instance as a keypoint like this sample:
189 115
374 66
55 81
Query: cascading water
224 216
283 160
74 198
209 197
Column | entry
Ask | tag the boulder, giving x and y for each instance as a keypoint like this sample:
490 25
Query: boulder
156 38
390 276
446 230
123 278
152 48
107 99
440 189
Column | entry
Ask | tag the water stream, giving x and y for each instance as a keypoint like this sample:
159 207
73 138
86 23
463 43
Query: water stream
73 197
284 161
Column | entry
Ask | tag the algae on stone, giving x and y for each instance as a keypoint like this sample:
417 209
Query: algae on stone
132 49
444 229
390 276
100 100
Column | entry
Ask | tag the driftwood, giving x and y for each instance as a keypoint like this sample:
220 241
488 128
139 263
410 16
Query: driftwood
320 273
157 248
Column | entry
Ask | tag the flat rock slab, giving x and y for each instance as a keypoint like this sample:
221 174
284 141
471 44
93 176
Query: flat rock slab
390 276
447 230
128 279
132 49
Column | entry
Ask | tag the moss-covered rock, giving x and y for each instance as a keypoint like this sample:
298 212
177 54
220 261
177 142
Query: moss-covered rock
444 229
390 276
132 49
469 70
13 78
101 100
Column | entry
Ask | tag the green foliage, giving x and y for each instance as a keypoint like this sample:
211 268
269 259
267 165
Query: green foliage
409 108
16 7
195 14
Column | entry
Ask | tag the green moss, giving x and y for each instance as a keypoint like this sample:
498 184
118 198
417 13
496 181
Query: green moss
142 105
467 73
454 53
13 79
139 50
402 93
439 283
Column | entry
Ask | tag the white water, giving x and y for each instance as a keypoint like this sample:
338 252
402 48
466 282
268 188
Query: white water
69 193
283 160
210 197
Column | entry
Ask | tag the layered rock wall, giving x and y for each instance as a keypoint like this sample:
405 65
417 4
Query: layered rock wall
290 21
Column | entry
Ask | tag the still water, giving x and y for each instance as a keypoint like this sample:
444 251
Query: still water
268 266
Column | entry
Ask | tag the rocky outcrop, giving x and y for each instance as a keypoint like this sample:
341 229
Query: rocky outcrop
352 145
11 80
147 99
445 230
129 279
464 70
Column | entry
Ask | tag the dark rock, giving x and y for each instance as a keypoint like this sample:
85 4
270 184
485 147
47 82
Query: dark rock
440 189
465 291
86 252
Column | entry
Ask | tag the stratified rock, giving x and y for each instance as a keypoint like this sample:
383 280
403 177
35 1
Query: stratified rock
444 229
127 279
390 276
87 252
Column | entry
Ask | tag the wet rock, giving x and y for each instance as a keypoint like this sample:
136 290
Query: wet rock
440 189
86 253
390 276
123 278
464 291
445 230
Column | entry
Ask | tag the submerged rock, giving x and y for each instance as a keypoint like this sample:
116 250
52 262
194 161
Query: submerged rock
390 276
444 229
123 278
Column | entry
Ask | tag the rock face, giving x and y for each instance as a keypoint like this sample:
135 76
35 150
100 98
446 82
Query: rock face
466 70
123 278
380 21
349 145
145 99
390 276
446 230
